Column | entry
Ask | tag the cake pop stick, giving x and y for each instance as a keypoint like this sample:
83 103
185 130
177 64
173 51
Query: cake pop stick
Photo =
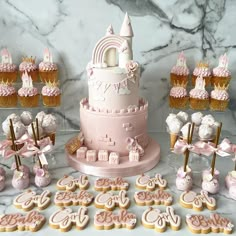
189 140
213 162
13 145
37 128
36 144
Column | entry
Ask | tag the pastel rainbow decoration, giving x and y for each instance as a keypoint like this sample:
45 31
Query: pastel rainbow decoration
223 61
107 42
6 56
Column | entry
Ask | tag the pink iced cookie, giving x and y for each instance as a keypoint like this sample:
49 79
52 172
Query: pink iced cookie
2 182
106 184
184 180
42 178
20 180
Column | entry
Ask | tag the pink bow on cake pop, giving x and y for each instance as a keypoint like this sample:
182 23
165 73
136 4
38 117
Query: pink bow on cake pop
181 146
4 145
8 153
25 139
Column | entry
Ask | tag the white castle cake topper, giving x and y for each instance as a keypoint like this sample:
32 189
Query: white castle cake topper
104 53
223 61
181 61
26 80
6 56
200 83
47 56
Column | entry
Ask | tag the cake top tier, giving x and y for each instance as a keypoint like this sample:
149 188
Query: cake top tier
108 47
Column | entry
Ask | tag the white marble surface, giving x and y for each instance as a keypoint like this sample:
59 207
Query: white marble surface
58 168
202 28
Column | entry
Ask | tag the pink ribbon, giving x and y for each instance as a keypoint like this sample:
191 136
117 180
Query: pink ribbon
24 139
4 145
8 153
181 146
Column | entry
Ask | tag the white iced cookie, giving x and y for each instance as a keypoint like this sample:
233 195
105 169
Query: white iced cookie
208 120
183 116
26 118
30 131
175 126
40 117
169 118
196 118
49 124
205 132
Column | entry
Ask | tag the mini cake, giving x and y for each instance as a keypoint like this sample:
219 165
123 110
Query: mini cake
47 69
221 74
198 96
8 95
180 72
178 97
27 94
8 71
51 95
28 65
203 70
219 98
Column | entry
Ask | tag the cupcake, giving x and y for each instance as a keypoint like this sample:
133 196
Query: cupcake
28 65
221 74
8 71
47 69
178 97
203 70
8 95
219 98
180 72
199 97
51 95
27 94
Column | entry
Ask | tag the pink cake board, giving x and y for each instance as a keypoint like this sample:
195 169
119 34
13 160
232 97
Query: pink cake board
124 169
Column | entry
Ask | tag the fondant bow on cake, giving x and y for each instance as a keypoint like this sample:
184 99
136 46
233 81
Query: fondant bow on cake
134 146
200 147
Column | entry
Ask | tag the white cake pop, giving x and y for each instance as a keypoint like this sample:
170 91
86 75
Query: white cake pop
183 116
26 118
205 132
175 126
40 117
49 124
170 117
184 130
208 120
6 123
197 118
30 131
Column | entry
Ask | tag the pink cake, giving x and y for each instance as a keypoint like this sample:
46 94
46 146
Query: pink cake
114 117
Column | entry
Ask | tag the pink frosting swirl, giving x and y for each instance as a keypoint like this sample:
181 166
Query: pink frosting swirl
47 66
180 70
27 92
204 71
220 94
27 66
6 90
7 67
221 71
48 90
199 93
178 92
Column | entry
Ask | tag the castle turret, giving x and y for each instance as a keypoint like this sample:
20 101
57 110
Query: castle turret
126 31
125 54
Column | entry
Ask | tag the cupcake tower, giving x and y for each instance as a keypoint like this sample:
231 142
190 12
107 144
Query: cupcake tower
28 94
198 97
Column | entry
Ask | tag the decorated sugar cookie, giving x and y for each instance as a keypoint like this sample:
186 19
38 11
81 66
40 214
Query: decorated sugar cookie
66 198
153 218
69 183
32 221
106 184
29 199
108 220
147 183
109 201
201 224
190 199
65 218
146 198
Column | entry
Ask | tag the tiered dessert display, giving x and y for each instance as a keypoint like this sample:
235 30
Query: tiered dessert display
114 119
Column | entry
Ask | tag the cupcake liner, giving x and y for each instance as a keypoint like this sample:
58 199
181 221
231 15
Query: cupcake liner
198 104
174 78
30 101
220 80
51 101
8 101
10 77
178 102
206 78
33 74
48 76
218 105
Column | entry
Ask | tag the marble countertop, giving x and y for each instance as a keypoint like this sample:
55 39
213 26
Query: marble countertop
166 167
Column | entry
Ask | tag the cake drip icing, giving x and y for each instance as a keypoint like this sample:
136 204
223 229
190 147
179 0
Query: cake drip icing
220 94
178 92
7 67
6 90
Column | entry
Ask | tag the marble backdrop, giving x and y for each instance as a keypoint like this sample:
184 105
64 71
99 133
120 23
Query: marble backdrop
204 29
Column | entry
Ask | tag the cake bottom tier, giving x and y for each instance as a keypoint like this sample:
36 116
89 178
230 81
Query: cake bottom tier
124 169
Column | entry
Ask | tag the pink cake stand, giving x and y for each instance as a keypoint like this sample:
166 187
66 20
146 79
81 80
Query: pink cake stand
124 169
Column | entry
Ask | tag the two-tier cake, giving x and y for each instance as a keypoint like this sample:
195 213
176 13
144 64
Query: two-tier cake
114 119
